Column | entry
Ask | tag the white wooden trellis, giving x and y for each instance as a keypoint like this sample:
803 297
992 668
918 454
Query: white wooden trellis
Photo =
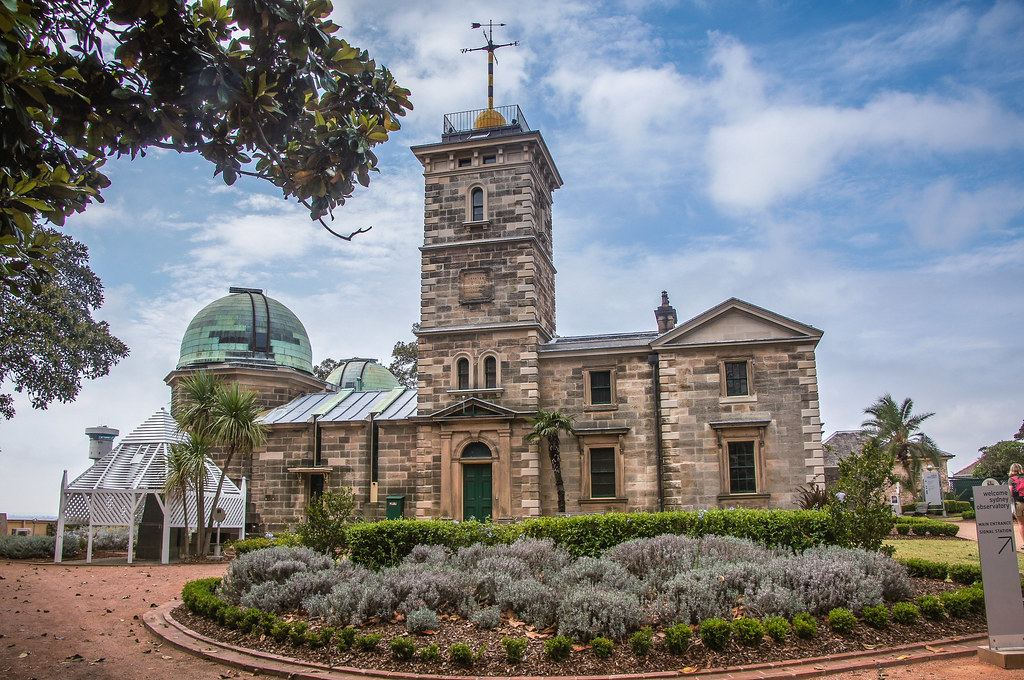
113 491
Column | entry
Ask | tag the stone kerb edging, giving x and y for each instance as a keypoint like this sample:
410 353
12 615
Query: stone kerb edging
160 623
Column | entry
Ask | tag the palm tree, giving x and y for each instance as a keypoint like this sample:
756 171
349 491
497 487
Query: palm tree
894 429
547 425
234 423
186 470
197 394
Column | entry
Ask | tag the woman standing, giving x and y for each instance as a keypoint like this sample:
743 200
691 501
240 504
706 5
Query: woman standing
1016 483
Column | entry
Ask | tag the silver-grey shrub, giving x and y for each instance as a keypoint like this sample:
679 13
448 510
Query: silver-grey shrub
589 611
493 572
428 555
277 564
692 596
596 572
532 601
37 547
486 618
276 597
343 605
422 619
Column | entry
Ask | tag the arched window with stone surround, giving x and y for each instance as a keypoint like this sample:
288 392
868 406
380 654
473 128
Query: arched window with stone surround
490 372
476 199
462 374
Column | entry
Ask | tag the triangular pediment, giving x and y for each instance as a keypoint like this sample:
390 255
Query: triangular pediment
473 408
736 321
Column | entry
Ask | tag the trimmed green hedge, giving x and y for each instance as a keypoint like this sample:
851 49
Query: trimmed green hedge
246 545
957 507
385 543
921 526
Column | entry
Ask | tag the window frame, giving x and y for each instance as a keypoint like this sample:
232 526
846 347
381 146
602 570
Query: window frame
457 374
471 216
735 432
588 388
751 394
602 438
487 375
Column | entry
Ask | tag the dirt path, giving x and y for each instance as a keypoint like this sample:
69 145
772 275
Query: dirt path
73 622
60 621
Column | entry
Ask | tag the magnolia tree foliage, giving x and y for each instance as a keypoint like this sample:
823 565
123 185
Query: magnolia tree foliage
263 88
49 340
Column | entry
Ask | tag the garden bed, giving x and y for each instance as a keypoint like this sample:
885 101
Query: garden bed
582 661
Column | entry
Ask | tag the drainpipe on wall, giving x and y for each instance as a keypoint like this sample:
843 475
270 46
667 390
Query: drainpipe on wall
652 359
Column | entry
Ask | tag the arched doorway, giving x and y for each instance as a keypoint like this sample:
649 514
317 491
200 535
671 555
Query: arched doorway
476 481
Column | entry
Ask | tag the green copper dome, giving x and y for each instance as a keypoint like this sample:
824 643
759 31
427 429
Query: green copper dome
246 327
361 375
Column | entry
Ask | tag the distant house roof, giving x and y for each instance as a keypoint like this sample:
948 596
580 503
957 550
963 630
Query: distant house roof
840 444
967 471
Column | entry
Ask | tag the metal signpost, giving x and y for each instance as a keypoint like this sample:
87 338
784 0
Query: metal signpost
1004 606
219 515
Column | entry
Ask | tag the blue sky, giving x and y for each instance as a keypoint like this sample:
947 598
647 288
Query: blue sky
856 166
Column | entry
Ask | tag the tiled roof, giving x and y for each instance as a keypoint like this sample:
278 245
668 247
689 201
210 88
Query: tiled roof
608 341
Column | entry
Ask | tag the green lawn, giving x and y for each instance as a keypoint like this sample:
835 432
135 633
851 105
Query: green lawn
953 552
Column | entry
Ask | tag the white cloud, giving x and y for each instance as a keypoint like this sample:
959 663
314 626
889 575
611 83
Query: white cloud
783 151
943 216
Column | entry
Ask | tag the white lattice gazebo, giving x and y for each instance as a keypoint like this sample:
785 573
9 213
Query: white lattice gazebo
113 491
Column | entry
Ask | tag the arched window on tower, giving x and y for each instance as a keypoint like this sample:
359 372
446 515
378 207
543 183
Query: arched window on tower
490 372
477 204
462 374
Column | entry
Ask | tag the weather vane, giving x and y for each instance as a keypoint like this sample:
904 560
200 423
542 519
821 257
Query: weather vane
490 47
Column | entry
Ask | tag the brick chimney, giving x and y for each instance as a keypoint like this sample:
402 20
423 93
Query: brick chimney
665 314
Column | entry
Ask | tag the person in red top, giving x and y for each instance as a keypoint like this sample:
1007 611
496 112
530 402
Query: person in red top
1016 483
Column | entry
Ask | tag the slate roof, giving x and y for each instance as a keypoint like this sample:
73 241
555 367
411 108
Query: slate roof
607 341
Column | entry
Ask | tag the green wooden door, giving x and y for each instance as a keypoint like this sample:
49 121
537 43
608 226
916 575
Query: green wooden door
476 491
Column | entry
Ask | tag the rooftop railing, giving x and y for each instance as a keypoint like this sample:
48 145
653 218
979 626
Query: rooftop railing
481 123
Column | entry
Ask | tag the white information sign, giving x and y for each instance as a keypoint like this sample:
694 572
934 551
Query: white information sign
932 488
1004 607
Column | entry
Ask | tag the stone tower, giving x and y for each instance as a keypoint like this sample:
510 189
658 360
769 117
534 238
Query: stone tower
488 281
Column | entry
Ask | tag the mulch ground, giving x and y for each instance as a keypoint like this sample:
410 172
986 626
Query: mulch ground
582 661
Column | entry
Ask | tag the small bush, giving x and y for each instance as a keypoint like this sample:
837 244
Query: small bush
514 648
640 642
327 519
602 647
804 626
487 618
320 638
297 635
956 604
422 619
965 574
280 631
430 652
931 607
403 648
905 613
919 529
902 529
749 632
461 654
876 617
777 628
715 633
677 638
558 648
37 547
368 642
346 638
969 514
926 568
842 621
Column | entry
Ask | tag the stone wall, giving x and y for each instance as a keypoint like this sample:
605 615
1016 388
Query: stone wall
784 395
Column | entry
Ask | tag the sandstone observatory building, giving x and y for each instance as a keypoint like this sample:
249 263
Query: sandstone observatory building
720 410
